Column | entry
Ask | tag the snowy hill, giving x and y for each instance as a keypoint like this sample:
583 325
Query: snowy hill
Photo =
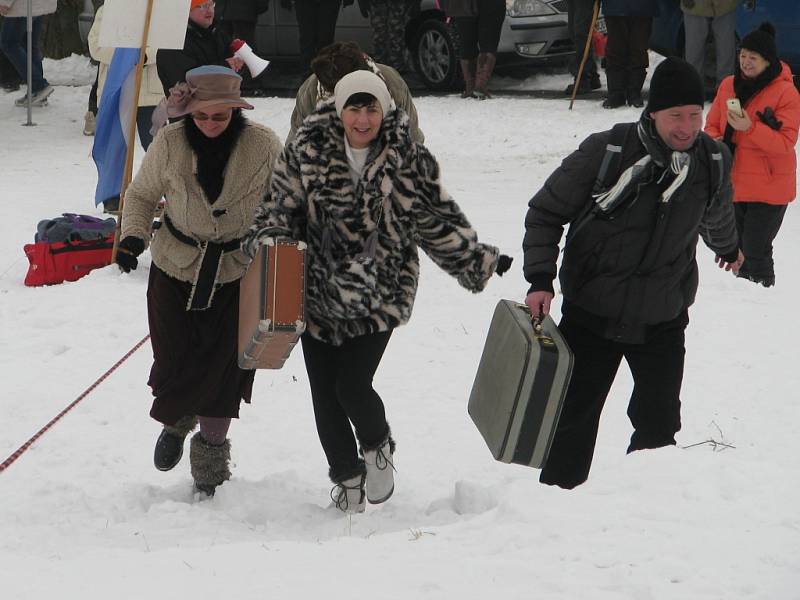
84 515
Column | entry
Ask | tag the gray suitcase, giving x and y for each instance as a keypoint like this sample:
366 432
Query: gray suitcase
520 385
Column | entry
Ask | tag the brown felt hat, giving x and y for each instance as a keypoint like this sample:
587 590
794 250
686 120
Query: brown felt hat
206 86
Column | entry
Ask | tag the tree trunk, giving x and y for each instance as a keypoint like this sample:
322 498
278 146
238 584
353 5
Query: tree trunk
60 34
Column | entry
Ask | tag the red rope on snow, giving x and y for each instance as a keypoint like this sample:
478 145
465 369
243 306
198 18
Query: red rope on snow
21 450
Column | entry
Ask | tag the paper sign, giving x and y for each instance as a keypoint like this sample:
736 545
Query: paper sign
123 23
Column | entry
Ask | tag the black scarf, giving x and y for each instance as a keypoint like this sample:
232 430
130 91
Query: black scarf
213 153
745 89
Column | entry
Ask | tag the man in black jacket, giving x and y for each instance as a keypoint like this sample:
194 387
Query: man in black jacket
206 44
629 272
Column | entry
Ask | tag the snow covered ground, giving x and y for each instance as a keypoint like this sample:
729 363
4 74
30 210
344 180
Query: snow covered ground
83 513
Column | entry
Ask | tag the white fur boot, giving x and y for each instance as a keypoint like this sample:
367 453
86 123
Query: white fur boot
380 471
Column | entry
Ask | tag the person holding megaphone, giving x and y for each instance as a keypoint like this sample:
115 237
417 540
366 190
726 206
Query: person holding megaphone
206 44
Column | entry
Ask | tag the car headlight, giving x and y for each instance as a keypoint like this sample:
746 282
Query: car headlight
529 8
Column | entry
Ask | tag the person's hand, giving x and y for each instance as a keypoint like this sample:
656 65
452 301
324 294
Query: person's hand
769 119
733 266
127 251
4 9
503 264
235 63
742 123
539 303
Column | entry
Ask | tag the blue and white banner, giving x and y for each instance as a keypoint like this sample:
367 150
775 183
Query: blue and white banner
117 107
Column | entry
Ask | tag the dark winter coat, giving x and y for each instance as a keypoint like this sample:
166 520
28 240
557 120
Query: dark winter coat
630 8
312 198
639 268
240 10
202 47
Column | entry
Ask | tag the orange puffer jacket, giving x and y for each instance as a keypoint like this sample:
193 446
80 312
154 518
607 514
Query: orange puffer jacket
765 163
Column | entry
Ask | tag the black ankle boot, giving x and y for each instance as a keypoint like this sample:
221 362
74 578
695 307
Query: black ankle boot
635 98
169 450
169 446
614 100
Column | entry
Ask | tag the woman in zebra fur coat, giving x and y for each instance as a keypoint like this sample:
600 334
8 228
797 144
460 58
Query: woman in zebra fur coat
364 196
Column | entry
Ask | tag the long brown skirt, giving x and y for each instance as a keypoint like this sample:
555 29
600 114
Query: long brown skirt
195 371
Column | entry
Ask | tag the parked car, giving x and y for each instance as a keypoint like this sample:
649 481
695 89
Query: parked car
533 31
669 38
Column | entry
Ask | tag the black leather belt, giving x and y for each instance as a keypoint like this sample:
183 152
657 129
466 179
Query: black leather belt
205 278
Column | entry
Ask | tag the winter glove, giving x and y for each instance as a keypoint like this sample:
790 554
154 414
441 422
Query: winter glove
127 251
252 241
769 119
363 6
503 264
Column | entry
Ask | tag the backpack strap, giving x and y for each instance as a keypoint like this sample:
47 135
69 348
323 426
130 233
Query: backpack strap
717 164
612 159
606 177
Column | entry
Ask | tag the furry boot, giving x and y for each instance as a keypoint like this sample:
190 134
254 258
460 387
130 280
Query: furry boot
209 464
468 71
486 62
348 495
169 446
379 461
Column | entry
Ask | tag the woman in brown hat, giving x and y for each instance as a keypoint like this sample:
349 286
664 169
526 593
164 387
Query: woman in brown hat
213 166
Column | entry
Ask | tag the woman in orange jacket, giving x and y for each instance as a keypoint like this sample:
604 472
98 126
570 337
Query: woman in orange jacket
762 138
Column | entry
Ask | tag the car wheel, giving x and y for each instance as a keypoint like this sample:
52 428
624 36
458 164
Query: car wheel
436 55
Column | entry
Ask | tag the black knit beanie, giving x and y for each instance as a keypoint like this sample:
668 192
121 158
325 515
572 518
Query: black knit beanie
762 40
674 83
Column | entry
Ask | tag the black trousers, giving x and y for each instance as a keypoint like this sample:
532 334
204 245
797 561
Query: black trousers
626 53
93 99
654 406
8 74
758 224
579 20
481 33
342 393
317 22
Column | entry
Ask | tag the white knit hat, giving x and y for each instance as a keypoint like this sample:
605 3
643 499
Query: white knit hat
365 82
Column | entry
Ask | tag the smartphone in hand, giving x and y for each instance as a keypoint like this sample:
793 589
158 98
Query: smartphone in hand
734 106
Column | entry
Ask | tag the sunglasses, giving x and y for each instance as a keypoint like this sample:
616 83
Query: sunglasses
216 117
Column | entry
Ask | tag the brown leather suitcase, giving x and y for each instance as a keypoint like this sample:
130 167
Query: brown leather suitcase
272 304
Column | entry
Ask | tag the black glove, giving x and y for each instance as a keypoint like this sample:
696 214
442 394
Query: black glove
127 251
363 7
287 4
503 264
769 119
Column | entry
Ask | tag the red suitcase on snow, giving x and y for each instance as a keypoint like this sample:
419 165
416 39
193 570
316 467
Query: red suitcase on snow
57 262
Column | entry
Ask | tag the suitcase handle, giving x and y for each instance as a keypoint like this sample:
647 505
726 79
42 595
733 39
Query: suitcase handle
537 324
